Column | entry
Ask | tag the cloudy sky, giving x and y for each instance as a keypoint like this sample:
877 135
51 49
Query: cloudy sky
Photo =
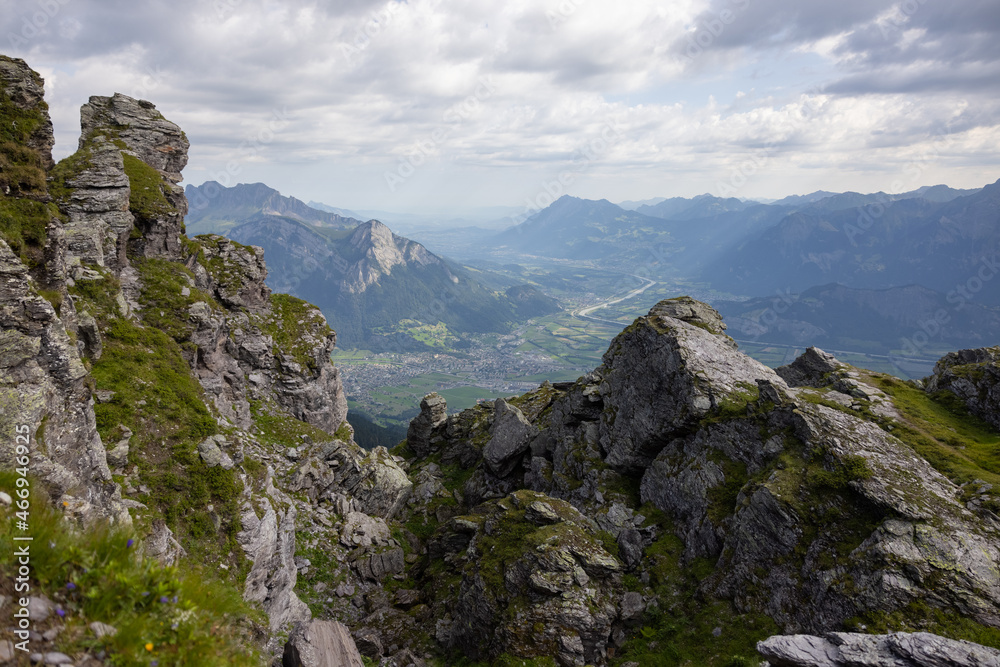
430 105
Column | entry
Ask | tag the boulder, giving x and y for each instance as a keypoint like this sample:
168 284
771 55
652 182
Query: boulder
321 644
663 374
839 649
419 434
511 439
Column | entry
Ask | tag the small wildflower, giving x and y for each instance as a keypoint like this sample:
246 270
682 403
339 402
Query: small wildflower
173 626
145 593
65 504
164 599
61 613
130 543
174 600
70 586
154 663
149 646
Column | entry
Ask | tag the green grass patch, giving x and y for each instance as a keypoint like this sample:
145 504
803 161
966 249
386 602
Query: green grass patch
918 616
938 428
683 633
275 427
23 224
148 190
164 307
289 318
175 617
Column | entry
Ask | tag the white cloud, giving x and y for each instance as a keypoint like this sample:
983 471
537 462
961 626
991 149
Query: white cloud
363 84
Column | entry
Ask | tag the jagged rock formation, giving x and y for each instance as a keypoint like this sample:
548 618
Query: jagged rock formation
43 382
974 377
100 223
25 89
200 374
789 487
321 644
679 495
838 649
143 133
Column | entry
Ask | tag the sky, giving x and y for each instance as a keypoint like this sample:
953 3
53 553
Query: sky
428 106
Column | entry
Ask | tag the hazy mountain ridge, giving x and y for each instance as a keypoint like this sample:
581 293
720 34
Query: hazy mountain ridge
939 245
214 208
868 320
369 281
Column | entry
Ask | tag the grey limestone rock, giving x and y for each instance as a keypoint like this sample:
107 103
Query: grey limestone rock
974 377
211 453
269 542
159 143
25 88
901 649
511 437
662 375
321 644
810 369
242 283
433 414
98 209
162 545
42 378
689 310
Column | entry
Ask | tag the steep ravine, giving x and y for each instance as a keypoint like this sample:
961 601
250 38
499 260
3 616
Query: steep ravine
675 506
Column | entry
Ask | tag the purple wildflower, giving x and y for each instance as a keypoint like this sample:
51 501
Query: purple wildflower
130 543
164 599
61 613
70 586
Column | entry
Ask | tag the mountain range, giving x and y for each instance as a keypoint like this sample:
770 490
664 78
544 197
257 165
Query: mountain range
215 208
380 290
189 490
901 261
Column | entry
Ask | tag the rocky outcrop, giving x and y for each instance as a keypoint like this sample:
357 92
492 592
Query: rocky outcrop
420 434
813 368
974 377
159 149
321 644
373 480
790 488
536 582
840 649
511 438
234 273
25 88
97 206
269 542
663 374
